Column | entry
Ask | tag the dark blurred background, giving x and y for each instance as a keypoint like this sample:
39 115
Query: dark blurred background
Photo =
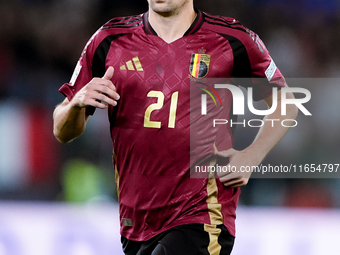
41 41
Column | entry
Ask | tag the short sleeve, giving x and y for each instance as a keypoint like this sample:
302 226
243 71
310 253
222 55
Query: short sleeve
264 72
82 73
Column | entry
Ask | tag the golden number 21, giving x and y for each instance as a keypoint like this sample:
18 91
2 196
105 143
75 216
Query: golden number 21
156 106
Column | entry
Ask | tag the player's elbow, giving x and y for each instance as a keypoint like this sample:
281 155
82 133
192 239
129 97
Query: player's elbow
61 138
65 139
65 136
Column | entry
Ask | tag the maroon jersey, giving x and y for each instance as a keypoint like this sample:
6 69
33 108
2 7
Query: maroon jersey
150 126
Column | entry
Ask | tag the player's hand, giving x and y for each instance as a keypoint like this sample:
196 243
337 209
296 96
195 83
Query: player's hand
99 92
238 160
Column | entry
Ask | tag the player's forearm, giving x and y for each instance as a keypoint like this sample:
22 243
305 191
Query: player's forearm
69 122
272 131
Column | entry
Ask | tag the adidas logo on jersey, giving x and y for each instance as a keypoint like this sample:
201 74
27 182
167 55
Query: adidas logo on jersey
133 65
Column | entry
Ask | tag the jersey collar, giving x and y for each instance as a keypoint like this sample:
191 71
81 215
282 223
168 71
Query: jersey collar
195 26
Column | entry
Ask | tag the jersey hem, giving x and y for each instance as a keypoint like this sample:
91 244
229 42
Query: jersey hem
132 237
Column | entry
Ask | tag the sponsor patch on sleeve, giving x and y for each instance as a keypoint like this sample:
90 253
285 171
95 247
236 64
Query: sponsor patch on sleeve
271 70
75 73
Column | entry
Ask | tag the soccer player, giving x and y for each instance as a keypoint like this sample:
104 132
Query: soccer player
140 68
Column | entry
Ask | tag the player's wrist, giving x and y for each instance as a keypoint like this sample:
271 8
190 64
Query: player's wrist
75 105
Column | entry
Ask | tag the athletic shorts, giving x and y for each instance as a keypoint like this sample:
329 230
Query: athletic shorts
191 239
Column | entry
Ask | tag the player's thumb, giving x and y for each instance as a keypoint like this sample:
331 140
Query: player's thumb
109 73
226 153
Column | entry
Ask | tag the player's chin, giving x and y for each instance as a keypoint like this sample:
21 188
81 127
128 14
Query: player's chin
163 7
157 3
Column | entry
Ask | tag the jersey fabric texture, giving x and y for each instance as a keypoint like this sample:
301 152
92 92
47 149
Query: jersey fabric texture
150 126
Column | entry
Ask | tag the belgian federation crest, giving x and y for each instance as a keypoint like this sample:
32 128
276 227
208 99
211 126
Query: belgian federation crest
199 65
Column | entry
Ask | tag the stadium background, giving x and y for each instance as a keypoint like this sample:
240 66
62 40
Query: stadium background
54 198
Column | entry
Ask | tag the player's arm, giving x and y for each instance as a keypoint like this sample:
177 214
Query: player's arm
268 136
69 117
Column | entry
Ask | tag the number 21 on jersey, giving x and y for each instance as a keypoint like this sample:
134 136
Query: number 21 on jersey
157 106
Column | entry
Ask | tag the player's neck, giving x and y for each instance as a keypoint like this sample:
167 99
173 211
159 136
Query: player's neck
172 27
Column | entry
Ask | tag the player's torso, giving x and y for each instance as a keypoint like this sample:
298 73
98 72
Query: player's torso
150 126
